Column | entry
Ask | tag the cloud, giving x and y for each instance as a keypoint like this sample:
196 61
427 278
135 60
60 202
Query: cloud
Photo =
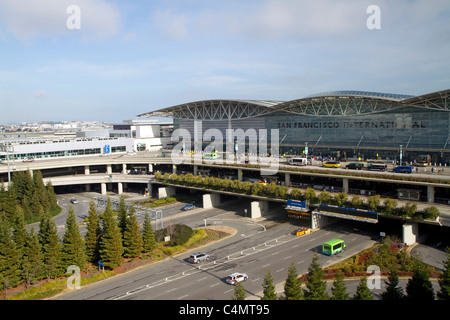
40 94
43 18
172 25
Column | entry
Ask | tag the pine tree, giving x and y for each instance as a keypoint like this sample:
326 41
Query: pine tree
239 292
392 292
51 247
292 287
148 235
8 203
339 290
316 285
20 233
132 242
362 291
73 248
269 288
444 279
51 196
10 274
111 248
419 287
40 191
93 234
122 216
32 265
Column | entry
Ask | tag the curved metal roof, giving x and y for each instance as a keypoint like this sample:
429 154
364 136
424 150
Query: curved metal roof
217 109
364 94
333 103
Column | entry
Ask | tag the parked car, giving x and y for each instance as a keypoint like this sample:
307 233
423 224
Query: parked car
73 201
188 207
404 169
236 277
332 164
28 159
197 257
377 167
355 166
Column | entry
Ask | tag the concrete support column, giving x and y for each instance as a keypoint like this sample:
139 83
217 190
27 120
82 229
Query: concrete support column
174 169
165 192
119 188
150 167
195 170
88 188
150 189
258 209
211 200
240 174
320 221
345 187
410 232
287 179
124 168
108 169
430 194
87 170
103 188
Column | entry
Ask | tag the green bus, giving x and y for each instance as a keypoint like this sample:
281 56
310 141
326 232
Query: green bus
210 156
333 246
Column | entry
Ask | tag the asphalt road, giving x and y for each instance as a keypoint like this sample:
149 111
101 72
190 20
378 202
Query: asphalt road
253 250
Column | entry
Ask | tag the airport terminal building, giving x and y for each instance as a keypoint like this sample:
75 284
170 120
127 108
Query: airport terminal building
341 124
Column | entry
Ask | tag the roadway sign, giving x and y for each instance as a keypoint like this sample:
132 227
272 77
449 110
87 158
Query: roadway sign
296 204
348 213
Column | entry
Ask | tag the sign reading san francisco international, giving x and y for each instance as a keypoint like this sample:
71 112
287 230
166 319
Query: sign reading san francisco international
352 124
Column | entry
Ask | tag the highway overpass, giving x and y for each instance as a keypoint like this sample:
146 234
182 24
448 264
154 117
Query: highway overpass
108 173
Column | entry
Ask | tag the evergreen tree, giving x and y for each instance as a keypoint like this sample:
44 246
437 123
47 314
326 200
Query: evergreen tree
316 285
239 292
339 290
111 248
51 196
39 190
122 216
73 248
419 287
32 265
10 274
444 279
269 288
132 242
8 203
393 292
148 235
292 287
93 234
51 247
20 233
362 291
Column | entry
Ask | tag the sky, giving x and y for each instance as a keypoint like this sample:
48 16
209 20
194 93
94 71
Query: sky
111 60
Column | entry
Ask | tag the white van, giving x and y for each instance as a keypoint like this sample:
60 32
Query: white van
298 161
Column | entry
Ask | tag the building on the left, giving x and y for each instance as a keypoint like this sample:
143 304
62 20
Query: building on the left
130 136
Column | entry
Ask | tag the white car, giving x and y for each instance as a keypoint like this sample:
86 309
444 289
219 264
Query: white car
236 277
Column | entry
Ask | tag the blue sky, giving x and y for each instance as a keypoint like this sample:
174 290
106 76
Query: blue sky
130 57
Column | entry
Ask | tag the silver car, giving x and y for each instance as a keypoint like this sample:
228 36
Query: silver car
197 257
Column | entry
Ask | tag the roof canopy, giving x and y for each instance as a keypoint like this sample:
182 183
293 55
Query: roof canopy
335 103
